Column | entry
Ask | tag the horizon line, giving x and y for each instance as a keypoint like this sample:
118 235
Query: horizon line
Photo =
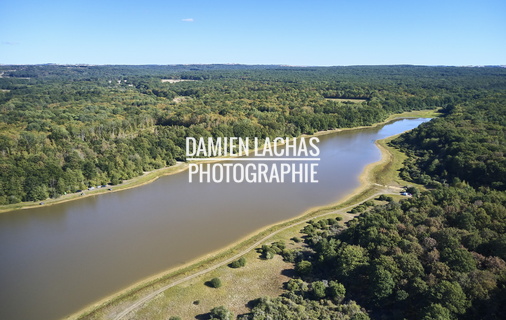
250 64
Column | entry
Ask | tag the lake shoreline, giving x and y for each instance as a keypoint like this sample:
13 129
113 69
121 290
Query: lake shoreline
366 188
151 176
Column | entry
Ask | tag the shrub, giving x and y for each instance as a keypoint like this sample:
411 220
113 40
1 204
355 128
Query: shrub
318 289
304 267
269 251
221 313
269 254
289 255
238 263
215 283
384 197
336 290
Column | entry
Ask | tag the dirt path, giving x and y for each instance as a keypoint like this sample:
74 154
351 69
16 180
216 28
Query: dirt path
400 189
152 295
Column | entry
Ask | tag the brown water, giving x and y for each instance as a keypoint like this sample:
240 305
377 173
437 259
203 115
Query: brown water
56 260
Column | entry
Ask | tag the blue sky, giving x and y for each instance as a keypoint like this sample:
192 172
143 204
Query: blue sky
309 32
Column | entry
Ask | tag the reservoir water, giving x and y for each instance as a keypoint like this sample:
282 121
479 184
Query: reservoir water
55 260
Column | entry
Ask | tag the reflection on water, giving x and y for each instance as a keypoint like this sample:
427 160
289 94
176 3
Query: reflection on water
57 259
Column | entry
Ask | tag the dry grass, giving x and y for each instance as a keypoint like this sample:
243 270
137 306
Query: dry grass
179 99
346 100
388 173
175 80
239 286
416 114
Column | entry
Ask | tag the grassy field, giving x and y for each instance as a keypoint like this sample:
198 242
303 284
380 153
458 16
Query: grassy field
191 297
258 278
389 174
346 100
416 114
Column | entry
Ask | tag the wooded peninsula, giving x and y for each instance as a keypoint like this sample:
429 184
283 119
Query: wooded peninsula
69 128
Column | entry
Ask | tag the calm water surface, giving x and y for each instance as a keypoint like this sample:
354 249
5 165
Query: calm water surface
56 260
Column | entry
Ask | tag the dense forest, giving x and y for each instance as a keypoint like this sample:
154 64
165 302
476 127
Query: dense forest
438 255
67 128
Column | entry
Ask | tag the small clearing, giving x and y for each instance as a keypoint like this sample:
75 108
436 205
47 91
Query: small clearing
175 80
346 100
179 99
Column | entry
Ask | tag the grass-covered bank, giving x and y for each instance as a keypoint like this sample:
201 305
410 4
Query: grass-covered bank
146 178
270 234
